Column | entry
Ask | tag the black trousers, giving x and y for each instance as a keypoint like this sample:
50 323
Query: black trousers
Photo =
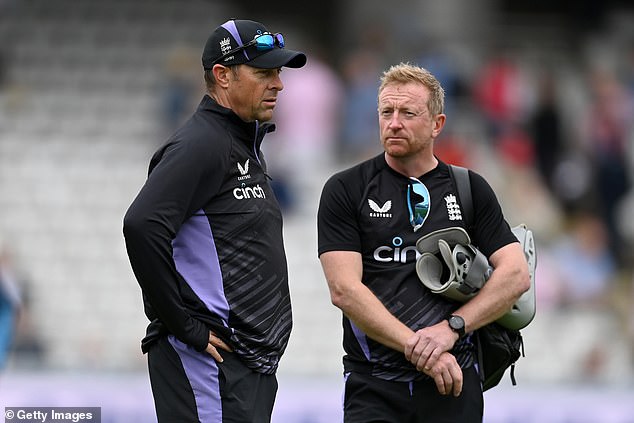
369 399
189 386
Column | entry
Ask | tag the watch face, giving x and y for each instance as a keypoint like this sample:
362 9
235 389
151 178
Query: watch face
456 323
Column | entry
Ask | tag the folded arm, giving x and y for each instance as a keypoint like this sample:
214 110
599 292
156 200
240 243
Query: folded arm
509 280
343 271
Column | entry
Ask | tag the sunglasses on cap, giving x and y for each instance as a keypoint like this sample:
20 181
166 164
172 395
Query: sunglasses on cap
262 42
418 203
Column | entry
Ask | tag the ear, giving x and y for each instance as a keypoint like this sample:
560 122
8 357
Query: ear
439 123
221 74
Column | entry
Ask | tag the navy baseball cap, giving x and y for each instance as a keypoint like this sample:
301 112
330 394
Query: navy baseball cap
238 42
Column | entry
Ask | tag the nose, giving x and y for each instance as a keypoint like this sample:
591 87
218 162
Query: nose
395 121
276 83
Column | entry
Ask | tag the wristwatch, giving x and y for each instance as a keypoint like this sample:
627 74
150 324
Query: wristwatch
456 323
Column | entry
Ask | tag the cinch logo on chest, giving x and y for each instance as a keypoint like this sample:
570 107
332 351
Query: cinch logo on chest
397 252
244 192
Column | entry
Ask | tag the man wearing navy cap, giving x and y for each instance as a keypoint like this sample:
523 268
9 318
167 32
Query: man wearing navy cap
204 238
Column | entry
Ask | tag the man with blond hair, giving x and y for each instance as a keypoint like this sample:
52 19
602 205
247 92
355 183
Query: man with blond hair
409 354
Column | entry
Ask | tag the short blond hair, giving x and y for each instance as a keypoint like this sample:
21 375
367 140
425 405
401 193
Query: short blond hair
404 73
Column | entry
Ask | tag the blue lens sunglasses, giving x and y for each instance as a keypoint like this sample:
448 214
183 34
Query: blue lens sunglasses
264 41
418 203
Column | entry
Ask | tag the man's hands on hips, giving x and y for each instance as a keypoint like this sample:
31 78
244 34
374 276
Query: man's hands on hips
214 344
428 350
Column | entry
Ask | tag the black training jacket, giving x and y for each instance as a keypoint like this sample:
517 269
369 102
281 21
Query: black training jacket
204 238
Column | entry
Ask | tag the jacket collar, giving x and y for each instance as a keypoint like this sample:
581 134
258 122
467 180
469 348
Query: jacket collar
250 128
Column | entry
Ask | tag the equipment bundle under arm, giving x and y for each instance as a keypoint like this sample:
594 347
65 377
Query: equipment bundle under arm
451 266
